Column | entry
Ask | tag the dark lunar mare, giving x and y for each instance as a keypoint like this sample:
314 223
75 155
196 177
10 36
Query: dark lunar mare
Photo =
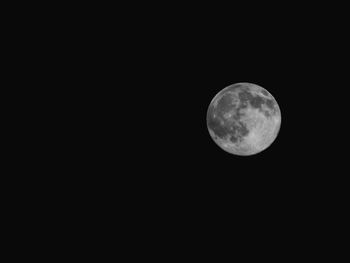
237 129
257 101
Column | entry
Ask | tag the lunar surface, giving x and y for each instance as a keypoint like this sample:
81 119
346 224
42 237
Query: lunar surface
243 119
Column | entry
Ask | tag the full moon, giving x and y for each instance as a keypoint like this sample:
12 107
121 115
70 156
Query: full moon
243 119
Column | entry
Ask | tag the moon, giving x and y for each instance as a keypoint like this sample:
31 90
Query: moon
262 124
